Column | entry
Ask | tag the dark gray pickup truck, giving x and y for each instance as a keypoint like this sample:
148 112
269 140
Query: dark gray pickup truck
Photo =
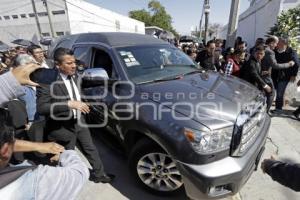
181 126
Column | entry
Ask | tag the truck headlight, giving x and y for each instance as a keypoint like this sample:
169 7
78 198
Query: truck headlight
209 142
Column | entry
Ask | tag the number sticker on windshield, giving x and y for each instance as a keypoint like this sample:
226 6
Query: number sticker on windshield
129 59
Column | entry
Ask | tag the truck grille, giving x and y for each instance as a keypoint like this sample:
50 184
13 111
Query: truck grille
248 131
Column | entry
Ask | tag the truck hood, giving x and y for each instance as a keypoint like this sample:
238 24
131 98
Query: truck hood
209 98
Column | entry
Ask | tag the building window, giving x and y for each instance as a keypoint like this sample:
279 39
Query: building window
42 14
15 16
31 15
58 12
6 17
46 34
60 33
23 16
118 26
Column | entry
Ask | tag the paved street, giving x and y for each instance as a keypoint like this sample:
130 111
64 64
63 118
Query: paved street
284 133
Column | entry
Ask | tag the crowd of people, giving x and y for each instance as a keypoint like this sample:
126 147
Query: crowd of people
24 102
270 66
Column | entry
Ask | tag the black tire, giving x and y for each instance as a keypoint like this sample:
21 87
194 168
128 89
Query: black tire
142 148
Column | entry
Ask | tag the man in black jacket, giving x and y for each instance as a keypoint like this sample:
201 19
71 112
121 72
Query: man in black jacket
209 59
282 77
284 173
63 108
251 71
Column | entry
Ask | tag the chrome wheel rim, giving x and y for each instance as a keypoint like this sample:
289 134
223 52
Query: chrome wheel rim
158 171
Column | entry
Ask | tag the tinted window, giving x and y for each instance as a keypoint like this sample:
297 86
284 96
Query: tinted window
58 12
59 33
46 34
42 14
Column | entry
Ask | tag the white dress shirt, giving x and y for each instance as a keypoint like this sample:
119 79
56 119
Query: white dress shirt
69 88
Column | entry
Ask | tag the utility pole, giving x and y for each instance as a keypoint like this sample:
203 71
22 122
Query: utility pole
206 12
36 18
200 25
233 22
49 18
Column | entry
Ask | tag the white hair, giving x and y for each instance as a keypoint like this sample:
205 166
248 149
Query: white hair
23 59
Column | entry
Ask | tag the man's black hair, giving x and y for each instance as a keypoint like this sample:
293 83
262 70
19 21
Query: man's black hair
210 42
259 48
238 52
270 40
60 52
6 127
19 47
189 52
33 47
242 42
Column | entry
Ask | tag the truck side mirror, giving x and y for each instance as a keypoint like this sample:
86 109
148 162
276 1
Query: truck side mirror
95 77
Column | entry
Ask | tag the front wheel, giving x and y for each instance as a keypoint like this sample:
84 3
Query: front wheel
154 169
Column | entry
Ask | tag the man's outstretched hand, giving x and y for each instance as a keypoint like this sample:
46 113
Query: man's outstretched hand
22 73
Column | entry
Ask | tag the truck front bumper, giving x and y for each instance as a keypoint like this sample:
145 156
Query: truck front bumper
224 177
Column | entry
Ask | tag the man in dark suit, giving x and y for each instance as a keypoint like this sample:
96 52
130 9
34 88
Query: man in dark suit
208 58
251 71
63 108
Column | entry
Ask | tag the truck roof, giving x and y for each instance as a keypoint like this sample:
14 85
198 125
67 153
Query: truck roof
115 39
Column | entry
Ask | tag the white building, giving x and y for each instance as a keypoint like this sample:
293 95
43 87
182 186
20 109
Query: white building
257 20
17 19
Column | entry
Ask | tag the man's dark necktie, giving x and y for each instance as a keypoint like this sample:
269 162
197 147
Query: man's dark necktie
73 88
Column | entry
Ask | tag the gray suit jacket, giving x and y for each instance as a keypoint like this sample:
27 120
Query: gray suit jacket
269 61
10 88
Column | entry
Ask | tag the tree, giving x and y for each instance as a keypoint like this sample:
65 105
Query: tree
141 15
156 16
288 26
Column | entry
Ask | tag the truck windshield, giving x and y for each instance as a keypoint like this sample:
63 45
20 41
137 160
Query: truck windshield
152 63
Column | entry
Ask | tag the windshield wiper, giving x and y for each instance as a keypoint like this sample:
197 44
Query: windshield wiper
193 72
178 65
167 65
163 79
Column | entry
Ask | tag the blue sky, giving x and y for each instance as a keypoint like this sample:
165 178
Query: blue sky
185 13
